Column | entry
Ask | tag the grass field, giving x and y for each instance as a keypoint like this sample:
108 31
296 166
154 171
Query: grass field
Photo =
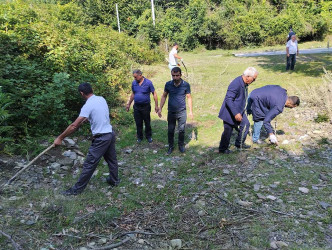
246 200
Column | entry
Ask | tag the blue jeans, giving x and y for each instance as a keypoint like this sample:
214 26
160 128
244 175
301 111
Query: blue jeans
257 130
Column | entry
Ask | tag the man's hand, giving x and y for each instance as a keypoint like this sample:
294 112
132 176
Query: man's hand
287 55
156 109
159 113
238 117
57 142
273 139
127 107
191 115
181 59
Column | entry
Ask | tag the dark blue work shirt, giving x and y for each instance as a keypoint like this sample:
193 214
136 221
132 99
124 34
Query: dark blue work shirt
266 103
177 95
142 93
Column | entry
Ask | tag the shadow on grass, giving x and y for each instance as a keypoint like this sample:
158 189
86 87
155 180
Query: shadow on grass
309 65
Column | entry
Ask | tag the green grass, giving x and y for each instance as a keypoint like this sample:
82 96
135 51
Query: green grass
197 174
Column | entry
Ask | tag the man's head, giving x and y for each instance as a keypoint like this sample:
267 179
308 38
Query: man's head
176 74
290 29
250 75
176 45
292 101
293 38
85 89
137 74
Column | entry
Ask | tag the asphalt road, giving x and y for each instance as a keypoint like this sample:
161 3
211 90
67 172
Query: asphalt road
283 52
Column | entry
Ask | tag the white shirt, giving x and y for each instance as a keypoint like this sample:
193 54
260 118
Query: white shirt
292 46
172 60
96 110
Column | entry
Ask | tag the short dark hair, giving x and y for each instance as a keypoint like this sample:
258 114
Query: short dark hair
176 70
137 71
86 88
295 100
174 44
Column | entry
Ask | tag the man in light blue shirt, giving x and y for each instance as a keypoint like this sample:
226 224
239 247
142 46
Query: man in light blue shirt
103 144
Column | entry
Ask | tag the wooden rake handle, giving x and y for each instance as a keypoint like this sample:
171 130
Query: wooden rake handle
19 172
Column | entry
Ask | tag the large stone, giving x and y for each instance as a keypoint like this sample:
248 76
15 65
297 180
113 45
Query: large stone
72 155
324 204
244 203
69 142
65 161
176 243
303 190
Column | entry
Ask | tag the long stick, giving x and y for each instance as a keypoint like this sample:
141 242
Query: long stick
19 172
185 69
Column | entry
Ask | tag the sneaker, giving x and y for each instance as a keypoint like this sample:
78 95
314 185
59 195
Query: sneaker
170 150
227 151
149 140
182 149
111 183
139 140
243 146
70 191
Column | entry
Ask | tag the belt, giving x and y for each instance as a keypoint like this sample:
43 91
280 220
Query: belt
99 135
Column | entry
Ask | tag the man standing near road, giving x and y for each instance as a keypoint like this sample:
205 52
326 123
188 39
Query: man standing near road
103 144
232 111
292 50
178 90
265 104
173 57
141 89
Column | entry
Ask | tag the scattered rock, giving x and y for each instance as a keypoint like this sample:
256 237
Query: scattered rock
176 243
271 197
323 177
160 186
141 241
244 203
281 244
260 196
271 162
200 203
303 190
273 245
324 204
257 187
30 222
129 151
69 142
225 171
65 161
201 213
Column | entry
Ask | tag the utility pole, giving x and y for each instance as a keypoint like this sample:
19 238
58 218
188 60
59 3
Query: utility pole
153 17
117 16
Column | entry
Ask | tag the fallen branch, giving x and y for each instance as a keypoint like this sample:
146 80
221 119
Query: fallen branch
113 245
68 235
15 245
141 232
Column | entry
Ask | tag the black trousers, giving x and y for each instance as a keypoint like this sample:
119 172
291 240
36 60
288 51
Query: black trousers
103 145
172 118
228 129
291 60
142 113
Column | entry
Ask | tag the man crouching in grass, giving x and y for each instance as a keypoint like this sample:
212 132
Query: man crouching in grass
103 144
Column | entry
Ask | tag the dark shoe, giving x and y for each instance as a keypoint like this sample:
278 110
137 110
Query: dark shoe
170 150
70 191
227 151
243 146
113 184
182 149
149 140
139 140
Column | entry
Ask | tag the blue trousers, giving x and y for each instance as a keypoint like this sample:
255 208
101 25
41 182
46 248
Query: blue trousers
102 146
228 129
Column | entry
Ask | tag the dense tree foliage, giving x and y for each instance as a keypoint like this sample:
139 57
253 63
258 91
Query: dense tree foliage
216 23
46 50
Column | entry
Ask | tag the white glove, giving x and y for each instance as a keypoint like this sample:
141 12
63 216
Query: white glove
273 139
